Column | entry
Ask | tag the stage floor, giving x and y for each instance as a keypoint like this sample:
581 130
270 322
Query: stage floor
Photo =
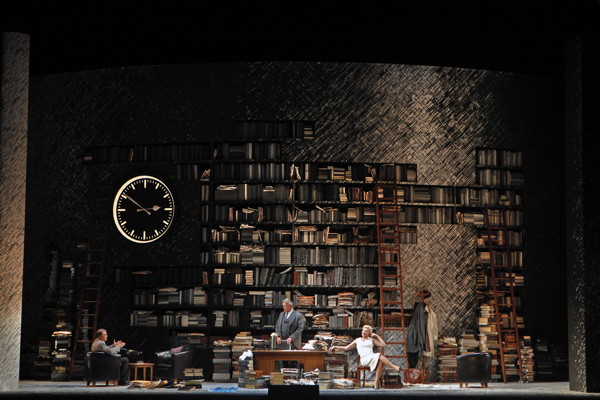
78 389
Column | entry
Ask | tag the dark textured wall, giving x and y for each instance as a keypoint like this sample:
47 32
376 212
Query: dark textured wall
431 116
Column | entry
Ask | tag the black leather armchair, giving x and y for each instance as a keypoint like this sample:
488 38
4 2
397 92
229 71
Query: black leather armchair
474 367
170 365
102 367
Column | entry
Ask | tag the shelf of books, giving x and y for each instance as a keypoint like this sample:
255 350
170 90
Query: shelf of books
271 228
500 266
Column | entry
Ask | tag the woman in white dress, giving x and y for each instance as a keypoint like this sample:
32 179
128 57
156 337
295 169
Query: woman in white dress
365 345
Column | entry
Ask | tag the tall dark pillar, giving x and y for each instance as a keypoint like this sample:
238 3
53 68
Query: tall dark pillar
14 101
583 211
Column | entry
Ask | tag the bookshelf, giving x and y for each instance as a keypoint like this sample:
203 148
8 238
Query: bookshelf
271 228
500 267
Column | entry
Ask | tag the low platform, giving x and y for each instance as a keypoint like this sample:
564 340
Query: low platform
211 390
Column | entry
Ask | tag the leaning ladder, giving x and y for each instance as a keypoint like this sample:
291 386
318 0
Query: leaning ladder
391 299
91 279
503 287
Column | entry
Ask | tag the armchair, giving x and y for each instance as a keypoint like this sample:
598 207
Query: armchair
474 367
170 364
102 367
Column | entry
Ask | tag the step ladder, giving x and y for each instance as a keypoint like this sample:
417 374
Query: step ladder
391 300
90 280
503 287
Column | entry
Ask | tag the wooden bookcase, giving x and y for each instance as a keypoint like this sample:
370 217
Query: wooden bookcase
271 228
500 265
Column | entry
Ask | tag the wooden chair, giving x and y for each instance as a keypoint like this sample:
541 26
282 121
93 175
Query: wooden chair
361 372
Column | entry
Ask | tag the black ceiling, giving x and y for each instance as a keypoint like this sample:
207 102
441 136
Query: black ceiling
518 36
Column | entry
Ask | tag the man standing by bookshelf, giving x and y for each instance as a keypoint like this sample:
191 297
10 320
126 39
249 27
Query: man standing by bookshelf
290 325
99 344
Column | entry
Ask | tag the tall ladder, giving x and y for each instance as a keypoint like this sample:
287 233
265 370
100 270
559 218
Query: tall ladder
393 326
500 261
91 279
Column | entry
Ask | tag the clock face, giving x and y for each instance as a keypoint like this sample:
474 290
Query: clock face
143 209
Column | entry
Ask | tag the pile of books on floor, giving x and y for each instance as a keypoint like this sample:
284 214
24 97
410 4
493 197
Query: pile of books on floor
276 378
42 363
527 359
392 380
222 361
241 343
193 374
468 343
336 364
252 380
248 377
343 383
325 380
447 351
62 355
290 373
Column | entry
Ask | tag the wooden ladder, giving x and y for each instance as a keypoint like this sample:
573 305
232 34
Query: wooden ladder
90 281
392 324
503 286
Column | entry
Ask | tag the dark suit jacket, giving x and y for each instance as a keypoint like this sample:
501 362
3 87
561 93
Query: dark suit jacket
291 327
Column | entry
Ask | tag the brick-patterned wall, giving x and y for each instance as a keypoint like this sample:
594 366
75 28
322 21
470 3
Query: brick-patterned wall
432 116
14 91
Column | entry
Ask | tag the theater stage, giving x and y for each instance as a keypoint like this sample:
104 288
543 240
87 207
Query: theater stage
79 390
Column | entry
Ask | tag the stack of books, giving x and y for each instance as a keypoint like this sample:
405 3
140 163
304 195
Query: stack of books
447 351
241 343
468 343
276 378
222 361
325 380
193 374
527 359
62 355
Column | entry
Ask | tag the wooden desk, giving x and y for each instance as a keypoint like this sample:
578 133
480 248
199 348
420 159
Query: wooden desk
144 367
264 360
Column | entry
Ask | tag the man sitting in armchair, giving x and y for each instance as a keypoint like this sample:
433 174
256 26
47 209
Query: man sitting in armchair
99 344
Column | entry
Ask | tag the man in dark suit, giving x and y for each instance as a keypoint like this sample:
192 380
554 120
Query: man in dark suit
99 344
290 325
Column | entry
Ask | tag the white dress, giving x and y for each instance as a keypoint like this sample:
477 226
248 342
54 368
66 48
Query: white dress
368 358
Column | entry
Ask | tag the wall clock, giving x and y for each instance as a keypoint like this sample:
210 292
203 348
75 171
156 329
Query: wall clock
143 209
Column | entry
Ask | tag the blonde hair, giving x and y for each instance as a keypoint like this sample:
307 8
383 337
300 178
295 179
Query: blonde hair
369 328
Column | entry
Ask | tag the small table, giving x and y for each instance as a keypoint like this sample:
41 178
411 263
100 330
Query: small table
143 367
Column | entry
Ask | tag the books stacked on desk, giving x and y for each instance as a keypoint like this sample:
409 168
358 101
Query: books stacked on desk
260 344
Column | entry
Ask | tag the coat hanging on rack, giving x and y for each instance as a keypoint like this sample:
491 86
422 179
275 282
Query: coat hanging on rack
422 330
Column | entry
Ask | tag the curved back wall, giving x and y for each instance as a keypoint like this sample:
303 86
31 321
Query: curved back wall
434 117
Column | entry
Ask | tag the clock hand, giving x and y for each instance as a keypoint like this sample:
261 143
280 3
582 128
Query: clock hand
154 208
136 203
